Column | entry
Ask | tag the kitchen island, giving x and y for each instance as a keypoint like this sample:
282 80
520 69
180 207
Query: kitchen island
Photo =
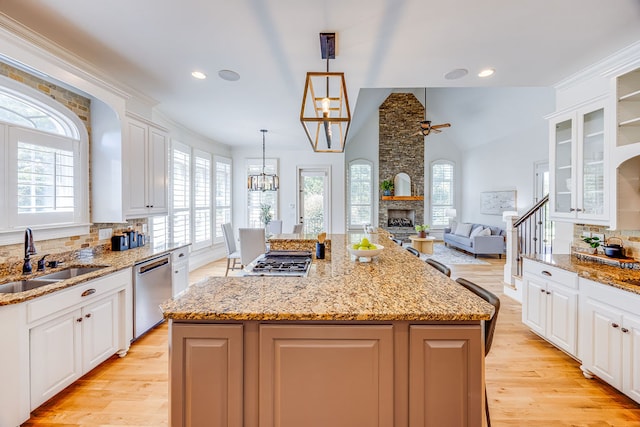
391 342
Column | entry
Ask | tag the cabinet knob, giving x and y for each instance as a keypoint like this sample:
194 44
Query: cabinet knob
542 290
79 319
578 210
546 273
615 325
625 330
88 315
571 210
548 293
176 271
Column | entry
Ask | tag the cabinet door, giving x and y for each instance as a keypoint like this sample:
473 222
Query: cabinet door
603 349
55 351
592 198
562 316
534 305
562 150
136 168
99 331
158 182
447 376
206 363
631 356
318 376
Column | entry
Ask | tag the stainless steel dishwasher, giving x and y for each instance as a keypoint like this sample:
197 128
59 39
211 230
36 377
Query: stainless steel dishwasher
151 287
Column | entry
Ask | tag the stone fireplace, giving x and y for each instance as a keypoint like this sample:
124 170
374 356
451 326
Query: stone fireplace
400 150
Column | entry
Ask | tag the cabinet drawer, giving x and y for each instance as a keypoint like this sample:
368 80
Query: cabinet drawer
180 255
61 300
547 272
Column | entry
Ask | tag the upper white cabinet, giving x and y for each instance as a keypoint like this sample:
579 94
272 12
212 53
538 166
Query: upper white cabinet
625 206
578 164
147 151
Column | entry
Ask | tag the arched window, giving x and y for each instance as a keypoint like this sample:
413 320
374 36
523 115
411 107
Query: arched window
442 191
360 188
44 184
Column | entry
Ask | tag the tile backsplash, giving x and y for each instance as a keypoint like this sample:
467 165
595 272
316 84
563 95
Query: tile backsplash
630 238
10 254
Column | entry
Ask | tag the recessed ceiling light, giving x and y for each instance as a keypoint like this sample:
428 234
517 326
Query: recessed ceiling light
458 73
199 75
486 72
229 75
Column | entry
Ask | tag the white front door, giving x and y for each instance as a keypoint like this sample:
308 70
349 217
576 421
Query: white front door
314 205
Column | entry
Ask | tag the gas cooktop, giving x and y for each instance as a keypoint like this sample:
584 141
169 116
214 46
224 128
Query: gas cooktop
281 263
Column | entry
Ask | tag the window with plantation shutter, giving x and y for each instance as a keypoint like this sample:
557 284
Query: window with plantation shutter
360 187
201 199
44 163
442 191
181 197
159 231
223 195
257 199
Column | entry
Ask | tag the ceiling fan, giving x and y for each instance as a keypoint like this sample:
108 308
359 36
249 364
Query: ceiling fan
426 127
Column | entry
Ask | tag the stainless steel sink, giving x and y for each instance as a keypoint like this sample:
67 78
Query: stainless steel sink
24 285
47 279
68 273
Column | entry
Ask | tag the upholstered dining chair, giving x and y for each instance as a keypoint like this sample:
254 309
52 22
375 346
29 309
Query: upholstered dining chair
297 228
230 245
439 266
252 244
275 226
489 325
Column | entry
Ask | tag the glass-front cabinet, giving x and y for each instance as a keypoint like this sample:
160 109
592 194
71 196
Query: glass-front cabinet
578 159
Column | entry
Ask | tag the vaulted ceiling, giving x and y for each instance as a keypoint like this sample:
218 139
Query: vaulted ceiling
154 45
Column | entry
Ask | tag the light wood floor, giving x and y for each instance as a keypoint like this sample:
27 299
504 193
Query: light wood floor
529 382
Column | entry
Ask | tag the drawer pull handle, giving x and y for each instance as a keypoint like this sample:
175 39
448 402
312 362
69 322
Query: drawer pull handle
88 292
181 255
625 330
546 273
615 325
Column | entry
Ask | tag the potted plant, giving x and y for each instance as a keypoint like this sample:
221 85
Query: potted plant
265 214
422 230
594 242
386 186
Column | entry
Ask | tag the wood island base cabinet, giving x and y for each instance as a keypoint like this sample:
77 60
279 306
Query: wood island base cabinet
280 374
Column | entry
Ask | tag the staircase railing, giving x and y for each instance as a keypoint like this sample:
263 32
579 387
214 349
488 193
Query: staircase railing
531 234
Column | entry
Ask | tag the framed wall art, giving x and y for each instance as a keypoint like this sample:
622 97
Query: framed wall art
496 202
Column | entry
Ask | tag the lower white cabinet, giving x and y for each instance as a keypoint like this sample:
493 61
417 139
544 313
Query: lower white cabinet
550 304
610 336
66 347
179 270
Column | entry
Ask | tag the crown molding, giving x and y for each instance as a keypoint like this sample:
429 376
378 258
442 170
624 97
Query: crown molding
612 65
64 59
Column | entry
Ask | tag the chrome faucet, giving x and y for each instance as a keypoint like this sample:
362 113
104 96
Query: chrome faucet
29 249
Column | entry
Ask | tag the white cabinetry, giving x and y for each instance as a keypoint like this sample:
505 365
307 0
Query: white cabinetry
180 270
625 206
147 151
550 304
610 336
72 331
578 164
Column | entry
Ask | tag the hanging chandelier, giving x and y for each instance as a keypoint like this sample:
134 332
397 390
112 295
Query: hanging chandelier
263 181
325 113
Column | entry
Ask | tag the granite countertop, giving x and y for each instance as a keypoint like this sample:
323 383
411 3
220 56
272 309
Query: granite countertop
393 286
627 279
112 261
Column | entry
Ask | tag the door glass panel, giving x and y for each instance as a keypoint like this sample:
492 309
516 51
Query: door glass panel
563 167
313 212
593 163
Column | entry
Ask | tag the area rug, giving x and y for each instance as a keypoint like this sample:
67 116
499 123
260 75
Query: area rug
449 256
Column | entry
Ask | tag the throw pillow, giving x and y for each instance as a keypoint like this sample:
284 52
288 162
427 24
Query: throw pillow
453 226
485 232
463 230
476 231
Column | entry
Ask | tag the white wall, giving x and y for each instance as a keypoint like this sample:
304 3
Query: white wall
288 162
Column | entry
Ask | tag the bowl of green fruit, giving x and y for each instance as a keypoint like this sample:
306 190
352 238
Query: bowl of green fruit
365 250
